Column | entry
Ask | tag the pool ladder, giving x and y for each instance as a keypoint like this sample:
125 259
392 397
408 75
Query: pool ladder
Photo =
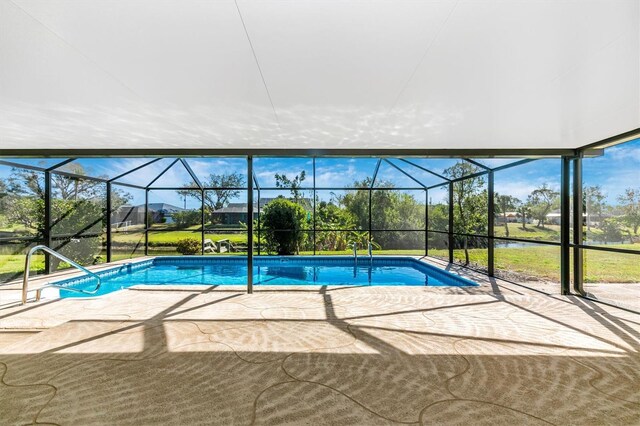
355 252
369 249
27 263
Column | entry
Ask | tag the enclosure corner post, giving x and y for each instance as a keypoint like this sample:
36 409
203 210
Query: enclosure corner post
146 222
315 194
565 208
578 211
490 225
47 221
258 230
202 220
450 222
370 229
249 224
426 222
108 221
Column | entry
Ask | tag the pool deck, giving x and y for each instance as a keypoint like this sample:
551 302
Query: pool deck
493 354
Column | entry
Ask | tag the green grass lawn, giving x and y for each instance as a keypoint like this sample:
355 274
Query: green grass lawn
544 262
12 265
168 238
548 232
531 232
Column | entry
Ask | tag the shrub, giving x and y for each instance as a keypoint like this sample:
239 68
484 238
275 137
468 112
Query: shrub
186 218
188 246
283 222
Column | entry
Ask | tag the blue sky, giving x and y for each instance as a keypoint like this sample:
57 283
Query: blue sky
616 170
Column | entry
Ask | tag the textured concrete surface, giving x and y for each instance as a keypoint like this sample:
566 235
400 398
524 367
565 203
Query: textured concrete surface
495 354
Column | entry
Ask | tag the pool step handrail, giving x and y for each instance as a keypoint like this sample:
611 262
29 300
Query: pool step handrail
370 250
27 264
355 252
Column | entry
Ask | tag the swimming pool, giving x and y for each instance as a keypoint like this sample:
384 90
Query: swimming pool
267 270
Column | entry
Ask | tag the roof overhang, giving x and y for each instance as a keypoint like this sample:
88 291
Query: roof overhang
193 78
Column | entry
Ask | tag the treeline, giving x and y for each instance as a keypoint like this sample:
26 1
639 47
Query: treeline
78 211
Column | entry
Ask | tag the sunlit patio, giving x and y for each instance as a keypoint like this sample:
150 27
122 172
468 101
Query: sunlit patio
497 354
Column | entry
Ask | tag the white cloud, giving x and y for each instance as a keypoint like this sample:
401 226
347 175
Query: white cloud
626 152
519 189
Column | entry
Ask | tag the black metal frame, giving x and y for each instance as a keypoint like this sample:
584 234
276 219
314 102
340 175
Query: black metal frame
571 242
577 244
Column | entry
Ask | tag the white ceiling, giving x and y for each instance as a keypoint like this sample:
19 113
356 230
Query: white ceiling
317 74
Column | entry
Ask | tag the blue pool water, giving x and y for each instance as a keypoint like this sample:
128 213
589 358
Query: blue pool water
268 270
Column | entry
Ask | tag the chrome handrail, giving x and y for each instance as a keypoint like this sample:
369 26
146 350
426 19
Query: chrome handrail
27 264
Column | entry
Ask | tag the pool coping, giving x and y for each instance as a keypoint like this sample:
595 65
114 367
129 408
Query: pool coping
10 291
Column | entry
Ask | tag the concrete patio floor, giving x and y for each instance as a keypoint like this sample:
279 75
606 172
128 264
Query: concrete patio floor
494 354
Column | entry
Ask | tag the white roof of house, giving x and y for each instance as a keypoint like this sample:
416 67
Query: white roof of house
317 74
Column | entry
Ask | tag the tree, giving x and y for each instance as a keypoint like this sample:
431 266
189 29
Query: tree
282 181
438 216
541 201
283 223
30 182
26 182
524 211
4 189
469 202
28 212
611 231
221 194
78 210
4 193
71 188
630 202
77 229
23 182
329 213
504 204
356 202
390 209
594 203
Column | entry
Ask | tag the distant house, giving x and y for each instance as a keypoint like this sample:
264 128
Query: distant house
554 217
127 215
162 211
511 217
234 213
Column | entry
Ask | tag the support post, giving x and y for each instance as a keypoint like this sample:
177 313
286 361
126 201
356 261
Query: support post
565 208
47 221
370 215
249 225
314 205
373 182
578 260
450 222
202 220
490 225
426 222
258 205
146 222
108 213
